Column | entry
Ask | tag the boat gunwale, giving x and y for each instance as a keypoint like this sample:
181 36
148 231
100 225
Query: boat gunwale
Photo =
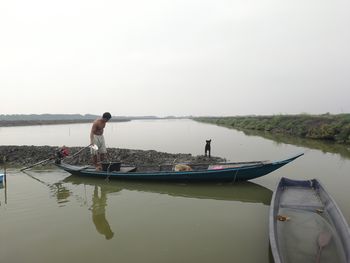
257 164
228 174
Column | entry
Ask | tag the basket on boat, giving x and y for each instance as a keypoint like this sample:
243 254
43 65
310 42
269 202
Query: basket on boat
110 166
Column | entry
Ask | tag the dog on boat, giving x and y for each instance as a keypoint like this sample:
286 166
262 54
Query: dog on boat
207 147
182 167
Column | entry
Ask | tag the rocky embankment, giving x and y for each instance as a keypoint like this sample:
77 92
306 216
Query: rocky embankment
21 156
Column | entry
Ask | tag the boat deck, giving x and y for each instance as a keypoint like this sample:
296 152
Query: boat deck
301 198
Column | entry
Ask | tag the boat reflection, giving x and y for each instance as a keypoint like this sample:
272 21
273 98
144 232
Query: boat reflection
242 192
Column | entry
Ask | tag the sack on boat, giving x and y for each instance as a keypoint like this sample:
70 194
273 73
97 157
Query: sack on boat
182 167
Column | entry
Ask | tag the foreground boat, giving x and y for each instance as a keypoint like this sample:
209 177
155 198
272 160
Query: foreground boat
306 225
231 172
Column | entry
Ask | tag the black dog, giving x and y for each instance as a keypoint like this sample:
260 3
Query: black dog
207 147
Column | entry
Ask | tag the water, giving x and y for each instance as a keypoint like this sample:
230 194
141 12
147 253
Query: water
50 216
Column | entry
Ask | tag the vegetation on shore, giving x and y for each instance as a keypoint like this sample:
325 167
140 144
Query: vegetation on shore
324 127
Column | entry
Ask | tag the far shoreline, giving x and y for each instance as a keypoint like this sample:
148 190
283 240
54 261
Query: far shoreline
50 122
38 122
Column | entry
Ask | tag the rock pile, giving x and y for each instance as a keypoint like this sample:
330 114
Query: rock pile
27 155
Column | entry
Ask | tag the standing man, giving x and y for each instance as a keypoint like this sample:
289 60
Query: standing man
96 137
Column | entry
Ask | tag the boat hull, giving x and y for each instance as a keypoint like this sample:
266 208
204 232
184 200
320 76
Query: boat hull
243 172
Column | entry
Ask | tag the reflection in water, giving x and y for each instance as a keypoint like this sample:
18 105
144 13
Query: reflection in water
98 208
2 186
99 203
61 192
324 146
243 191
57 190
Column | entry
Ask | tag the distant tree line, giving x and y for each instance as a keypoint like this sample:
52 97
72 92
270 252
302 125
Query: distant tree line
53 117
46 117
49 119
325 127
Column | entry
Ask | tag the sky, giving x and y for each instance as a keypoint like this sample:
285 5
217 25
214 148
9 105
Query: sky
178 57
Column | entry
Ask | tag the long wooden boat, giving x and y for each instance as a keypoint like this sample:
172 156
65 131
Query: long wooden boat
231 172
306 225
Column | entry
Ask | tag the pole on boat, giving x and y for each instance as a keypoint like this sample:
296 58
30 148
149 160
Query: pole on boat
41 162
93 146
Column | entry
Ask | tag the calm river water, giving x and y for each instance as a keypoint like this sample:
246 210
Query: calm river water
50 216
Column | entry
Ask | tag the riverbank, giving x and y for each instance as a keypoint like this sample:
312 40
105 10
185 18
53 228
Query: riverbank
326 127
20 156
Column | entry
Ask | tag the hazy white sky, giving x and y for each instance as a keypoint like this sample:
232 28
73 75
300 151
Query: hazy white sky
178 57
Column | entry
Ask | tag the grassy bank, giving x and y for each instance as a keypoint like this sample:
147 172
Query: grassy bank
323 127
